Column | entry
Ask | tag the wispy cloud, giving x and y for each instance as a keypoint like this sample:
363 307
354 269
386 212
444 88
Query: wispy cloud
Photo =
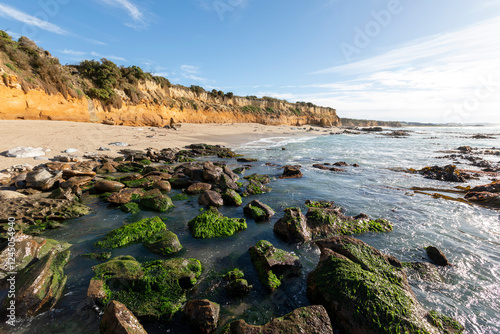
74 53
192 73
12 13
426 77
133 11
95 54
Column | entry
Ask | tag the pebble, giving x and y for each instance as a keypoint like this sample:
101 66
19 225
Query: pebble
104 148
70 150
25 152
118 144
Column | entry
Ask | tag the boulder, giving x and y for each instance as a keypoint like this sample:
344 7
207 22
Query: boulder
117 319
212 173
293 226
198 188
68 173
25 152
125 196
162 185
96 293
226 182
238 287
484 198
42 179
273 264
254 188
107 167
163 243
448 173
211 198
132 233
437 257
366 291
231 197
9 194
106 186
310 319
40 285
202 315
262 178
212 224
77 181
290 172
155 289
156 201
258 211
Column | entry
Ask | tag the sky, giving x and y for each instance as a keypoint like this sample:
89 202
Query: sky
408 60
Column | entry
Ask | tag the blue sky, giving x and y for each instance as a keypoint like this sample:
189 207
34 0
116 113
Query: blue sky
410 60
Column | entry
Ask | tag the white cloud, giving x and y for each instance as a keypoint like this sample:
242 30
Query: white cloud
439 78
192 73
190 69
133 11
12 13
95 54
74 53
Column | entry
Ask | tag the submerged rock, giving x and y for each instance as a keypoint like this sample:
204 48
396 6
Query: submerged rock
293 226
290 172
125 196
163 243
258 211
310 319
255 188
212 224
210 198
156 201
155 289
447 173
132 233
366 291
118 319
202 315
273 264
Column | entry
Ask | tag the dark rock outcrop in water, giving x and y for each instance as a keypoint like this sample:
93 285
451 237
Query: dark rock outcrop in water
290 172
258 210
366 291
310 319
437 257
487 195
202 315
447 173
212 224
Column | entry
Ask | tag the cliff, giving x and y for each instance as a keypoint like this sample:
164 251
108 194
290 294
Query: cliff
35 86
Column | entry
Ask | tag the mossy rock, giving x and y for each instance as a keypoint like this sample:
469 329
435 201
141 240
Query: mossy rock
366 291
273 264
140 183
163 243
154 290
231 197
212 224
132 233
255 188
238 287
262 178
234 274
131 207
156 202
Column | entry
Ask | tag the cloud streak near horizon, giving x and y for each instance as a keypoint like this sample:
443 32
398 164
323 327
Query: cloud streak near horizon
136 14
12 13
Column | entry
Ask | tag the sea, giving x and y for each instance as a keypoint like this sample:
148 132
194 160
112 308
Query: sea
469 235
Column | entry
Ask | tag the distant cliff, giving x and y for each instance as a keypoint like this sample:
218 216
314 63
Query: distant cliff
367 122
35 85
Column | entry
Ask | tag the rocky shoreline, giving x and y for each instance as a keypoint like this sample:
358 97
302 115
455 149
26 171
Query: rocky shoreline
374 297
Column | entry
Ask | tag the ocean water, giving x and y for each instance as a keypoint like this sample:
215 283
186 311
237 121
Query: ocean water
468 235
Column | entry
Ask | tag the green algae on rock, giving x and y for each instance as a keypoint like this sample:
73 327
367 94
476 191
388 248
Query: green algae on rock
255 188
163 243
155 289
273 264
97 256
366 291
231 197
156 201
132 233
132 208
212 224
310 319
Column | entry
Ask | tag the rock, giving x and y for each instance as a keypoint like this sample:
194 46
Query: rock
202 315
106 186
226 182
255 188
118 319
104 149
341 164
319 166
118 144
97 256
437 257
132 208
125 195
39 286
366 291
180 182
68 173
70 194
70 150
27 249
67 158
484 198
198 188
212 224
139 183
42 179
5 178
238 287
25 152
163 243
291 172
247 160
8 194
231 174
156 201
372 129
155 289
231 197
310 319
132 177
293 226
210 198
258 211
132 233
262 178
325 219
162 175
162 185
107 167
273 264
76 181
493 187
211 173
96 293
447 173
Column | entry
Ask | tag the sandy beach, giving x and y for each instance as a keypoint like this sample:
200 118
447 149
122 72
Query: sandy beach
57 136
